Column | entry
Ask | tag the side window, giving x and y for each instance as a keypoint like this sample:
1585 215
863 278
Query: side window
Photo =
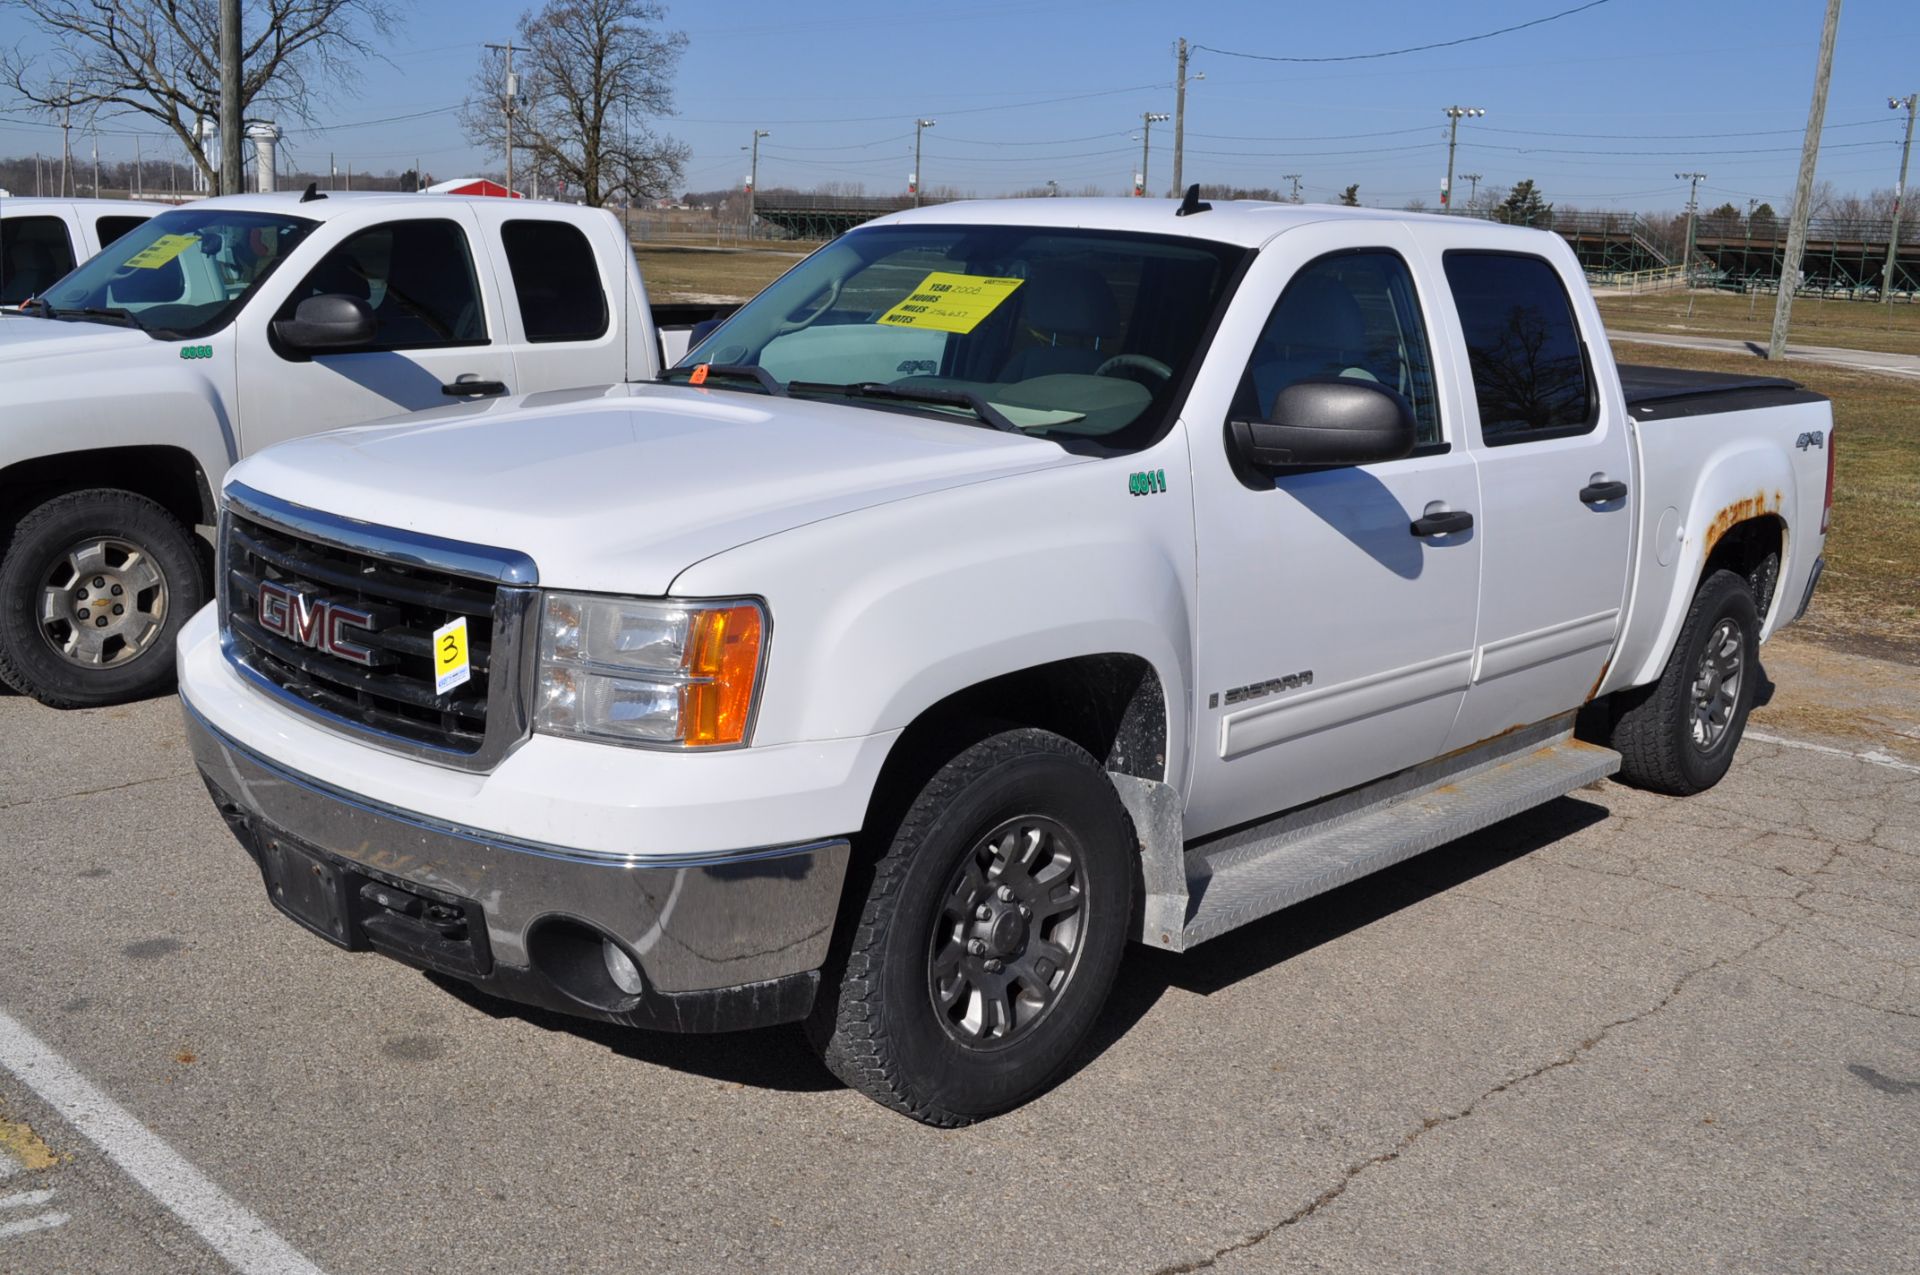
1354 315
557 281
35 253
416 276
1529 365
111 228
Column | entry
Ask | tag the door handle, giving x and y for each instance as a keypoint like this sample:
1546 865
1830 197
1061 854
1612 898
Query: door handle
471 386
1602 490
1443 523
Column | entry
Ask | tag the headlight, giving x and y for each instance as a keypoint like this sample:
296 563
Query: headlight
634 671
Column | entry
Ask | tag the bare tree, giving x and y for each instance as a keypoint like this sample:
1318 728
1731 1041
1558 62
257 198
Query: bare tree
591 73
160 58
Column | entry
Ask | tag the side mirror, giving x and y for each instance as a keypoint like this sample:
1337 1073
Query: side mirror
1328 420
329 323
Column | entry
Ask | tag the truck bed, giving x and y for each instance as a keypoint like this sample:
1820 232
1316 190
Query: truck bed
1663 393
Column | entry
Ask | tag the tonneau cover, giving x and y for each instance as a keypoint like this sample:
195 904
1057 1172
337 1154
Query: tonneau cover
1658 393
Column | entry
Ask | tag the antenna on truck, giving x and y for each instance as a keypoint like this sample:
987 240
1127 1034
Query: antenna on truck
1192 203
313 193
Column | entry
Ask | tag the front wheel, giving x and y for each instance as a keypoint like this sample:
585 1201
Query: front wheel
990 936
1678 735
93 590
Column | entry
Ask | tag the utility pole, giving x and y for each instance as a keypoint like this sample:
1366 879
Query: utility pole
1803 188
232 160
1147 120
1693 198
66 140
1473 188
753 173
1454 115
1180 117
139 185
1746 260
1295 179
919 126
96 161
513 90
1899 195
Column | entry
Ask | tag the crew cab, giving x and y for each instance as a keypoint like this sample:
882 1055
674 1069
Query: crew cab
42 240
1008 581
128 387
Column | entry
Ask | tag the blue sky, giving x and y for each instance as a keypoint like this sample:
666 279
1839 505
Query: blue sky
1600 108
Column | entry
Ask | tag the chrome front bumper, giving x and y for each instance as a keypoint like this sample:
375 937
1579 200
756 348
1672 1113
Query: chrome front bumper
725 941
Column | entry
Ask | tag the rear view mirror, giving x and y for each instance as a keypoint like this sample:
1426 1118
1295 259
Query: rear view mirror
329 323
1328 420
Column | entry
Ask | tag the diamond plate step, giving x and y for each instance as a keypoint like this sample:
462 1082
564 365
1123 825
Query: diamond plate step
1258 871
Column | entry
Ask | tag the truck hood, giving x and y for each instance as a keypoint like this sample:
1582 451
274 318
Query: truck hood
23 337
620 490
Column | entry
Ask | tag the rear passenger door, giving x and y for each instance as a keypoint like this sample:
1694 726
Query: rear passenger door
1556 501
437 324
558 317
35 252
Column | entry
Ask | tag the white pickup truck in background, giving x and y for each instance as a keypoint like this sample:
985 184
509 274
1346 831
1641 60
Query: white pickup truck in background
219 328
1007 581
42 240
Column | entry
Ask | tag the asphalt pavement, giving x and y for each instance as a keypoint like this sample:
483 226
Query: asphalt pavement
1619 1032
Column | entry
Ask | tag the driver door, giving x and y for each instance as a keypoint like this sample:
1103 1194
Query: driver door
1337 636
437 319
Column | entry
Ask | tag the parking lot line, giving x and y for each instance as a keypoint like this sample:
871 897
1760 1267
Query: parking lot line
247 1244
1873 756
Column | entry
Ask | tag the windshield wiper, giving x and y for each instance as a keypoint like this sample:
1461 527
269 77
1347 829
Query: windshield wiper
111 313
32 304
739 371
987 412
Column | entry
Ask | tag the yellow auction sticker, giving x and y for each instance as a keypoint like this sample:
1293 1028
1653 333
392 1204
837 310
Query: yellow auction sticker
450 667
161 251
947 302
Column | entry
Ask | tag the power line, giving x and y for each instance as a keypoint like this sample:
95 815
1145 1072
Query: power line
1415 48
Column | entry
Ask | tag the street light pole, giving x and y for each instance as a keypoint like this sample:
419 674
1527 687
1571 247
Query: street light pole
919 127
1454 115
1147 120
753 174
1899 195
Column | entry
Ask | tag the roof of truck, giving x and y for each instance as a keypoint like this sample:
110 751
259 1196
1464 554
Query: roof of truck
1238 221
336 202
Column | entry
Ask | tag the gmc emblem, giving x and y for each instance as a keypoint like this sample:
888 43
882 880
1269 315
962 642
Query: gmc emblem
314 622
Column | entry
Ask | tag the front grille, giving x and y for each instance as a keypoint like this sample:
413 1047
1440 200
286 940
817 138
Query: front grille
392 697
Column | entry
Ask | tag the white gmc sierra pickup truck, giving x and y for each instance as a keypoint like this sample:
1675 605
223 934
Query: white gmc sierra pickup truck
211 331
1007 581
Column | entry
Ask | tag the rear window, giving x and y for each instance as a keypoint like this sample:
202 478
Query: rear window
111 228
1529 364
35 253
557 281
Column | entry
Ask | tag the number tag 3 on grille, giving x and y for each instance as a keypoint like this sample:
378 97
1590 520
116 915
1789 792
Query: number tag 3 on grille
450 667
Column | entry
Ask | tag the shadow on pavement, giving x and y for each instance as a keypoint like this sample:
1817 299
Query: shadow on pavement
779 1058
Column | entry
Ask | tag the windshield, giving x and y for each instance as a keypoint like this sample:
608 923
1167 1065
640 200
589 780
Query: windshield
1056 332
182 274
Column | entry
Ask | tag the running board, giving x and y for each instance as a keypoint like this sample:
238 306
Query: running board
1256 871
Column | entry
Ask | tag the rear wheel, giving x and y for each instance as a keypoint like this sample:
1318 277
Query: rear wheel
93 590
1678 736
990 934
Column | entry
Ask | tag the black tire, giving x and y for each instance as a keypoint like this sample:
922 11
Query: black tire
884 1030
135 660
1657 732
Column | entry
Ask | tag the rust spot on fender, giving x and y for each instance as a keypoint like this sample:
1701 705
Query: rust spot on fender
1604 670
1743 510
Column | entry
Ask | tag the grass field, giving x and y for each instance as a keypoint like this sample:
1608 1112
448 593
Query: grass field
1854 325
1869 599
686 272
